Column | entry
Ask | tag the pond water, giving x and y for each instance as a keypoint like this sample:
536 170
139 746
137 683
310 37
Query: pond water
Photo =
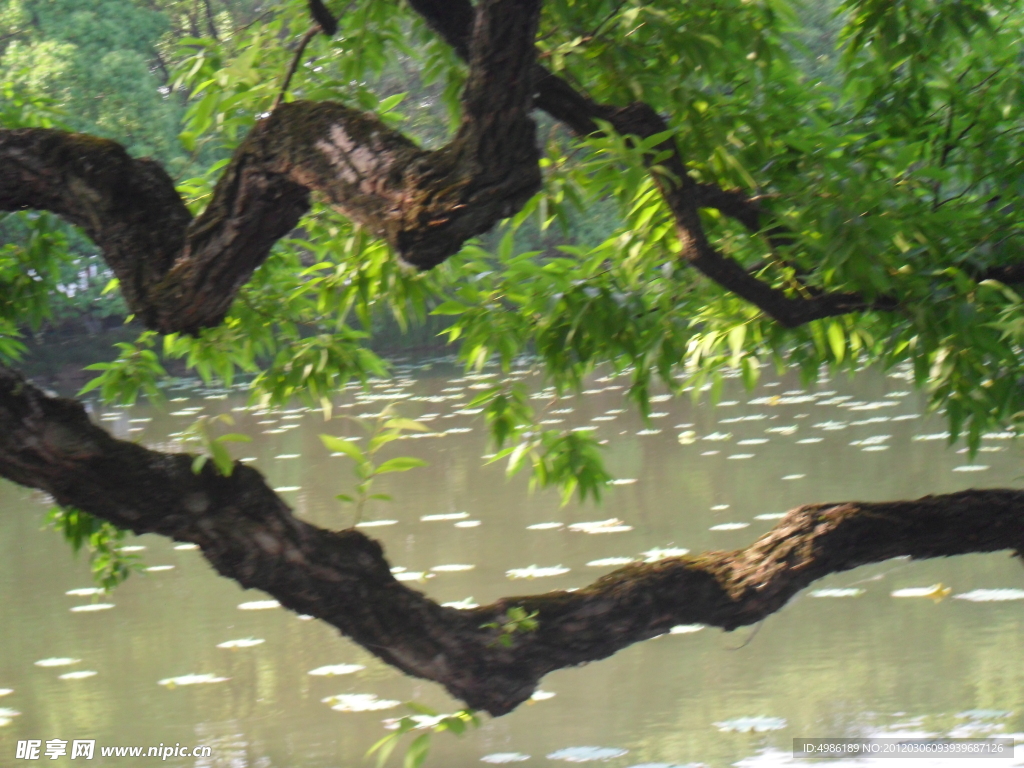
851 662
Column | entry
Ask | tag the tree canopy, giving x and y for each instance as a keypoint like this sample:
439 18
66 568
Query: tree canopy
668 189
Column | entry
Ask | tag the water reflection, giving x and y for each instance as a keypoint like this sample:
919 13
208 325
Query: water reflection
291 693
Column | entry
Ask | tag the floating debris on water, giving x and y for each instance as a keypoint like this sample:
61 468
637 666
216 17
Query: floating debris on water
587 754
446 516
413 576
933 436
61 661
287 456
753 441
688 437
544 526
611 525
466 604
85 591
536 572
771 515
838 592
336 669
132 548
452 568
259 605
991 595
793 477
718 436
728 526
741 456
6 692
468 524
606 562
936 592
245 642
504 757
656 554
359 702
376 523
92 607
185 547
751 724
622 481
686 629
710 453
649 432
79 675
810 440
206 679
971 468
288 488
719 507
158 568
7 716
540 695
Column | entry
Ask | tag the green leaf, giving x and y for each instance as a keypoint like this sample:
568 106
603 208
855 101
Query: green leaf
837 340
417 752
339 445
400 464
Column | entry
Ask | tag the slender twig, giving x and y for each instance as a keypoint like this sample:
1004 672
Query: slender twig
310 34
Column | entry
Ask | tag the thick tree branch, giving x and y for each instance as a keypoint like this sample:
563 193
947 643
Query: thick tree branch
249 534
182 275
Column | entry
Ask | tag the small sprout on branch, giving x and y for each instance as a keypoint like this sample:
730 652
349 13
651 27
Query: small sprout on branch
516 620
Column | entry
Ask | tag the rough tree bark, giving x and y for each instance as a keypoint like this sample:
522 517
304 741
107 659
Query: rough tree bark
180 274
249 534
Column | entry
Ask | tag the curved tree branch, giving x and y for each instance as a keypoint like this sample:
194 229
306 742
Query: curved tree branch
248 534
180 274
684 196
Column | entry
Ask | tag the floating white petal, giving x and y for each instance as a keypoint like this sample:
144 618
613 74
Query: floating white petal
971 468
173 682
57 662
504 757
535 572
542 695
245 642
793 477
623 481
728 526
184 547
656 554
79 675
288 488
838 592
359 702
85 591
611 525
158 568
6 691
604 562
465 604
259 605
376 523
771 516
544 526
934 591
468 524
685 629
991 595
92 607
448 516
741 456
336 669
452 568
587 754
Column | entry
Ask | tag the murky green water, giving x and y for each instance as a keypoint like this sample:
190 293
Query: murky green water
852 666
